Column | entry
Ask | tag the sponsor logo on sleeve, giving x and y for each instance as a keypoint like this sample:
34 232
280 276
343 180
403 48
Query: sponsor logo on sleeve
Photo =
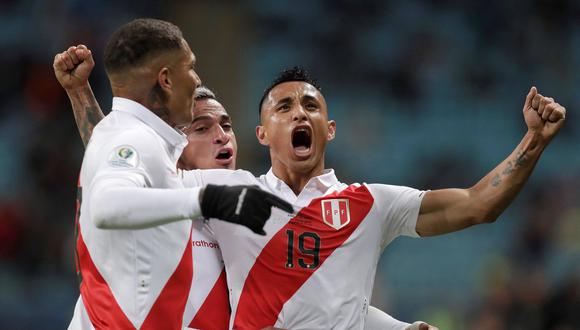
124 156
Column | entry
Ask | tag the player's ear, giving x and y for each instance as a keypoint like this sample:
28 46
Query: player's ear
261 135
331 130
164 80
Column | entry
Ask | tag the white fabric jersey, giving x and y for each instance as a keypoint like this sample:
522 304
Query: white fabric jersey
137 272
314 269
208 306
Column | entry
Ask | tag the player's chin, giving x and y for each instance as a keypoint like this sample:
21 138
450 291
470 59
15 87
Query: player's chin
225 164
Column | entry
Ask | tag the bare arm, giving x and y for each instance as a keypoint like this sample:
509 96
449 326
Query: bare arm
72 69
447 210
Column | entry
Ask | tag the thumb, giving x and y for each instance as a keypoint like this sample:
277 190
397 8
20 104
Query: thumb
533 91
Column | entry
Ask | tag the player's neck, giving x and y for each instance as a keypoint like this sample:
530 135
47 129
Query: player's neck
296 178
137 87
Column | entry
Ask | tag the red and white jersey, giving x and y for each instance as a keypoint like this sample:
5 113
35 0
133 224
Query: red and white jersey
315 268
208 306
133 278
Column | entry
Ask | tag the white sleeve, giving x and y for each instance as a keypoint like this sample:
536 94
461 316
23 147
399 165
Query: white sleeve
196 178
126 189
120 203
376 319
399 207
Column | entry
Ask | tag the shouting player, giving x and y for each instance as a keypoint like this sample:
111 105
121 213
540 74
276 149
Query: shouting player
315 268
133 245
212 144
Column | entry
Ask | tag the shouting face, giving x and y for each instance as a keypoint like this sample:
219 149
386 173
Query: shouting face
296 128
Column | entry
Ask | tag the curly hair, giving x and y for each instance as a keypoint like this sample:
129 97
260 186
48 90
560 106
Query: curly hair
136 41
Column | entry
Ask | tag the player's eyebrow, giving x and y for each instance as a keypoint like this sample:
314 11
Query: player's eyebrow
287 99
200 118
306 98
226 118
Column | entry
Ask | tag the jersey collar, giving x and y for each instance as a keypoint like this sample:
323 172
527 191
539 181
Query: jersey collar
173 136
315 186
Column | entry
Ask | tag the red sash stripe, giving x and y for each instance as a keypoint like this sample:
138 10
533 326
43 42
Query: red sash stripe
270 284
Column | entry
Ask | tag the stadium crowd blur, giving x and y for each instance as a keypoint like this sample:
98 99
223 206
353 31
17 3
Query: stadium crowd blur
425 93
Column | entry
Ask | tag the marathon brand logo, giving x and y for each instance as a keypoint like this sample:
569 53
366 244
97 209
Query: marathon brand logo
335 212
206 244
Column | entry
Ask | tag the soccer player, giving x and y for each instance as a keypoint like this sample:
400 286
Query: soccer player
315 268
212 144
133 245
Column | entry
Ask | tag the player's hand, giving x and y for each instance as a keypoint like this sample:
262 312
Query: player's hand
543 115
419 325
73 67
249 206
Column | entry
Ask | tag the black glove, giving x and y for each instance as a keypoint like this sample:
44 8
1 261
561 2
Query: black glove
249 206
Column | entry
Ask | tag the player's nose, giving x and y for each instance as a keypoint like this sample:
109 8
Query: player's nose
197 80
298 113
220 137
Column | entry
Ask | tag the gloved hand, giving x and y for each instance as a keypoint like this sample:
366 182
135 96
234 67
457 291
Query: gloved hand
249 206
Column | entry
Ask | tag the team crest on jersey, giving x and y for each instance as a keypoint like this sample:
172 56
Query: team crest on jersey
124 156
335 212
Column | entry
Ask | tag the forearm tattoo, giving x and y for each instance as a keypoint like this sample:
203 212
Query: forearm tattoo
87 115
519 160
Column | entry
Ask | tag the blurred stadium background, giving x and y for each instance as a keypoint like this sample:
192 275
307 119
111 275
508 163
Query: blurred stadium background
426 94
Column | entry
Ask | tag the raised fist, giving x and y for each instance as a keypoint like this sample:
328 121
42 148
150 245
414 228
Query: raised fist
73 67
543 115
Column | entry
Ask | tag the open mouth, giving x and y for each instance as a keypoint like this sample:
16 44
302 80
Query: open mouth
224 154
302 140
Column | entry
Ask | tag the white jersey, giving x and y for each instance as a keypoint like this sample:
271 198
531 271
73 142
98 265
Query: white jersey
314 269
133 278
208 306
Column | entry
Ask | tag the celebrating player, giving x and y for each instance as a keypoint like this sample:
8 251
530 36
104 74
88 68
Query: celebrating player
212 144
315 268
133 247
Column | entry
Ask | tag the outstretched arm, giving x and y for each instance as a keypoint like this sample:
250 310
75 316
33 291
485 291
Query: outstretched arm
447 210
379 320
72 69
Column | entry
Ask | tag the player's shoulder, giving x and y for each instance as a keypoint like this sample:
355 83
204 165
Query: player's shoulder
389 191
142 138
218 176
127 146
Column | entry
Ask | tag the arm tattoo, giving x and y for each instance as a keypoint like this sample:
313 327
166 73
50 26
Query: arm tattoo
509 169
87 113
496 180
520 160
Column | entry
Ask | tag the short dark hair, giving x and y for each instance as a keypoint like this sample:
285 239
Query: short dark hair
294 74
204 93
139 39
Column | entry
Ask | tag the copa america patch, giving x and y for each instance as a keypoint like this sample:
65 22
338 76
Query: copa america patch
124 156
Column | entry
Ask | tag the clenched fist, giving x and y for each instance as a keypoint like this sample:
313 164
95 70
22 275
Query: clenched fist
543 115
73 67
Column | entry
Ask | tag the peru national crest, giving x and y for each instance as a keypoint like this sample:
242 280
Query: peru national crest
335 212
